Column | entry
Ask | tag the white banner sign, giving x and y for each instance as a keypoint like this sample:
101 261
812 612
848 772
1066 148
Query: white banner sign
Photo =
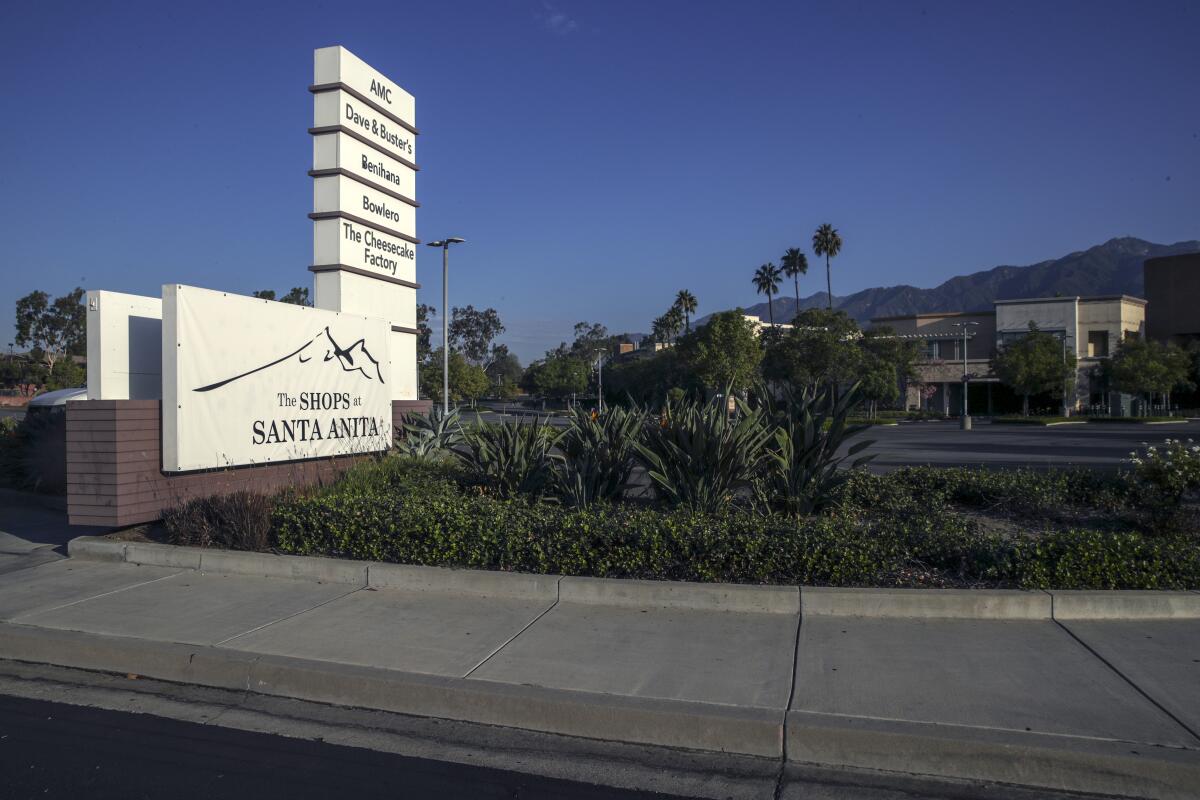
332 151
344 242
341 108
338 65
339 194
249 381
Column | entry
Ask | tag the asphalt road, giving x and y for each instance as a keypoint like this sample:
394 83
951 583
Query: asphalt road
50 750
1099 446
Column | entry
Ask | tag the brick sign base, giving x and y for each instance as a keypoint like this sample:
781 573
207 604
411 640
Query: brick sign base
114 459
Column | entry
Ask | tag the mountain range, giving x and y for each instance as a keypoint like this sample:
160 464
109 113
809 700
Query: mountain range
1114 267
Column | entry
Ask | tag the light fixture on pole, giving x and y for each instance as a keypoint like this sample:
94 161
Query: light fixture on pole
966 377
445 245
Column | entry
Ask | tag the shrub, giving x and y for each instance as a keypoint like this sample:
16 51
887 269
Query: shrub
598 456
33 451
801 468
1015 420
878 530
238 521
512 458
697 456
1102 560
430 436
1164 477
1025 492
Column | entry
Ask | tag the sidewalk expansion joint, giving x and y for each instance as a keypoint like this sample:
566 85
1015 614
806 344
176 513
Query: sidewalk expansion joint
509 640
779 776
1124 677
289 616
34 611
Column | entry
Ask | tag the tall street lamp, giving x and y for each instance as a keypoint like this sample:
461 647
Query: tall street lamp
445 245
600 376
966 378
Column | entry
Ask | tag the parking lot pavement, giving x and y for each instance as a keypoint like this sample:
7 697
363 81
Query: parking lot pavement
944 444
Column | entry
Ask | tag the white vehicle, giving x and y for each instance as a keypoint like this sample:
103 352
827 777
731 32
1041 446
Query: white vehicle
55 402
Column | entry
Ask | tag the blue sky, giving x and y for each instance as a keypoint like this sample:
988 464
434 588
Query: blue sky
600 156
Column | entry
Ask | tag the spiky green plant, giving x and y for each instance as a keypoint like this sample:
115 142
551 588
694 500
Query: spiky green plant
698 456
598 455
430 436
513 457
802 467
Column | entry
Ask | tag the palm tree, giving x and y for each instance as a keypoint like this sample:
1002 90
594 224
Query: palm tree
685 301
658 329
766 281
795 264
674 320
826 242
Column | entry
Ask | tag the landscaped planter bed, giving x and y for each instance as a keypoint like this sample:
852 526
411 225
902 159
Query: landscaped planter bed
915 527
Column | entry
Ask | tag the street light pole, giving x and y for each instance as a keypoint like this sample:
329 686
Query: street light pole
1066 413
966 379
600 377
445 245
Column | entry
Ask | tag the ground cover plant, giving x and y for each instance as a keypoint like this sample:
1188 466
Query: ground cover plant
772 493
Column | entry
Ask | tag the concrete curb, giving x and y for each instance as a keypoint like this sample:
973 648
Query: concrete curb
991 604
669 723
518 585
926 603
678 594
1052 762
1131 605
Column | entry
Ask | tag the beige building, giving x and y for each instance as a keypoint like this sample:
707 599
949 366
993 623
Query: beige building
1090 327
759 324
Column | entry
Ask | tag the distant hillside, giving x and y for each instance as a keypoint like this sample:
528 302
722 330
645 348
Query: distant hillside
1114 267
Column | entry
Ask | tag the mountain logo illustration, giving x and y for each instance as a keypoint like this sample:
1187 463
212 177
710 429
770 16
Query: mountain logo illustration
355 358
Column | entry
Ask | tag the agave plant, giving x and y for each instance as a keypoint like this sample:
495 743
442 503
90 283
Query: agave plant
513 457
430 436
801 468
698 456
598 455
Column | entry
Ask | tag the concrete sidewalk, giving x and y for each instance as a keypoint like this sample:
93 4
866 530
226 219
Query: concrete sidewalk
1091 692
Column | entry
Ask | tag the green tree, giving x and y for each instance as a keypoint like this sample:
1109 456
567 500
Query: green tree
766 281
52 330
821 349
685 301
674 322
589 337
795 264
647 378
424 332
467 381
297 296
724 352
1146 367
561 376
659 329
827 242
1033 364
472 331
885 361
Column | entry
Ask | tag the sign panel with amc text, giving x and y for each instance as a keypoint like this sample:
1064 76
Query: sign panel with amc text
339 108
250 381
337 65
350 244
339 151
337 194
